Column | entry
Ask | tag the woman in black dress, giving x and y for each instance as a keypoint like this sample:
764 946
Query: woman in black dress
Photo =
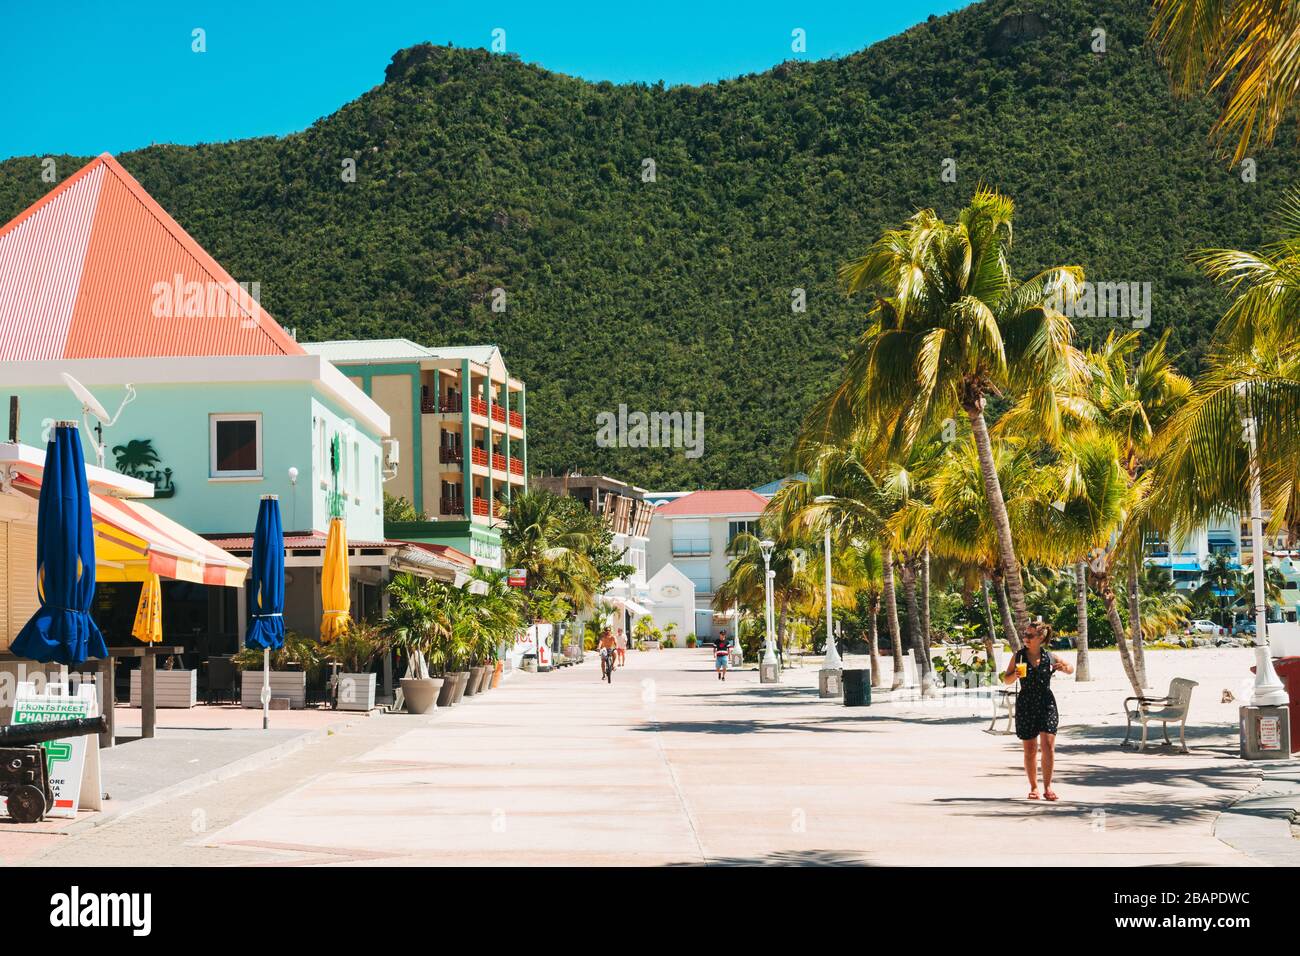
1036 716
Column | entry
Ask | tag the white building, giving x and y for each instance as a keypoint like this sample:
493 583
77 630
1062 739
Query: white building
692 532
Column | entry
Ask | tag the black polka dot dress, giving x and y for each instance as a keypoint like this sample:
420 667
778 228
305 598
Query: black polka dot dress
1035 704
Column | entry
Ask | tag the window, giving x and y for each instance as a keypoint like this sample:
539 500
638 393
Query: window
690 536
740 527
323 450
235 446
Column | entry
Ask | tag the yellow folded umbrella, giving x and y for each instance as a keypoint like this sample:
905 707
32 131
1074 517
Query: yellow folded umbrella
148 613
334 585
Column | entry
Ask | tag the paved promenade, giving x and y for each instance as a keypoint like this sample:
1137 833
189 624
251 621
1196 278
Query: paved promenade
669 766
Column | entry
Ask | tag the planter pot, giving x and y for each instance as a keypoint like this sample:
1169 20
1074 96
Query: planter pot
472 682
170 689
447 695
572 651
290 684
497 673
420 693
462 679
529 664
357 691
484 678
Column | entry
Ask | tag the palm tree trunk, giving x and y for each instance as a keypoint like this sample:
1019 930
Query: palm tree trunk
925 600
998 510
1135 624
891 613
1116 625
1082 670
989 638
919 652
1004 608
780 629
873 636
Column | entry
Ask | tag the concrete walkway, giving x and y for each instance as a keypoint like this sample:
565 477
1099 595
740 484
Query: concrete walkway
670 766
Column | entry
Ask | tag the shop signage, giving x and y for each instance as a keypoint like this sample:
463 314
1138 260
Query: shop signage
1270 734
518 578
66 758
137 459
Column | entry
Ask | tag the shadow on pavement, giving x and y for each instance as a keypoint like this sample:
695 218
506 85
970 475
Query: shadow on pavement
788 858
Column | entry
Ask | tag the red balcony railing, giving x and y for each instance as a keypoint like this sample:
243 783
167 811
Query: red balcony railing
516 467
450 456
481 506
452 506
430 406
516 420
499 414
478 407
498 461
479 456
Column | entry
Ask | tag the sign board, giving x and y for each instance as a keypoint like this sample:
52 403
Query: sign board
73 762
517 578
1270 733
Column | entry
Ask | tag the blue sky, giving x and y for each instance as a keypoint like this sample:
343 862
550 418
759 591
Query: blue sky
116 76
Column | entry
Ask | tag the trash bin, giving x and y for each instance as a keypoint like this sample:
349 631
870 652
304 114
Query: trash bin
857 687
1288 669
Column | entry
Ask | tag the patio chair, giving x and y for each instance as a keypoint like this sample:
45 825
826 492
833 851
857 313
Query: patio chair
1171 708
223 679
1004 705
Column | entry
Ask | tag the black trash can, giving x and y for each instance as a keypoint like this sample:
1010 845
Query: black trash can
857 687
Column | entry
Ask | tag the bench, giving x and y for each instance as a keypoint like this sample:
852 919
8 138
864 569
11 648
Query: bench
1171 708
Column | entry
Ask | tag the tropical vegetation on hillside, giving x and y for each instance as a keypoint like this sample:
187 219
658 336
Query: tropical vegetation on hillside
475 172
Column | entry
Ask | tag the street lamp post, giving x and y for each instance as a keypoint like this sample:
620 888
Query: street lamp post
828 684
1269 699
767 669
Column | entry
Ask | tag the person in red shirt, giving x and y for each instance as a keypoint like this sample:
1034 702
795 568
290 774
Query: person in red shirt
721 653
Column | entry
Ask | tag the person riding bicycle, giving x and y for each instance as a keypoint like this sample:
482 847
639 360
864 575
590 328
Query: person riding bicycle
608 649
721 654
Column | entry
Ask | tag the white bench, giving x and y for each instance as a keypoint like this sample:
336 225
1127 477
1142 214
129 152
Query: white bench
1171 708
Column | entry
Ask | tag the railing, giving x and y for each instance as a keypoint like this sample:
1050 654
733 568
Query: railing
516 420
450 456
452 506
478 407
684 547
479 456
481 506
498 461
499 413
431 406
516 467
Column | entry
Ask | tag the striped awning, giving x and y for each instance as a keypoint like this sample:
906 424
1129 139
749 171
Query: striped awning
133 541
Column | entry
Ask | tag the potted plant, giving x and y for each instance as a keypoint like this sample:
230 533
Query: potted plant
356 651
408 626
691 640
646 634
291 666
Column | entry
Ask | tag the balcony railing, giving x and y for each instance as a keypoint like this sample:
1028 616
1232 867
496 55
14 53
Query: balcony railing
499 414
498 461
481 506
685 547
479 456
452 506
450 456
431 406
516 420
516 467
478 407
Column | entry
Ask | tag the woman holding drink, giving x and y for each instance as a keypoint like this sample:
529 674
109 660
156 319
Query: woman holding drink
1036 717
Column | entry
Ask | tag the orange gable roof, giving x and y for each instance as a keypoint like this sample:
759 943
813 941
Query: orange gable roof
702 503
97 269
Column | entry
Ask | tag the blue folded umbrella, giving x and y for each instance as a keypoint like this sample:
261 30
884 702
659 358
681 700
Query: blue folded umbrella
266 585
62 629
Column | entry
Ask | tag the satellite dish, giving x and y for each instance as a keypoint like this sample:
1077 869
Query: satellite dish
88 401
90 406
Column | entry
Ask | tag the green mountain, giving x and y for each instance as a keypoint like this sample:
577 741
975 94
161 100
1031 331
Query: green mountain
476 171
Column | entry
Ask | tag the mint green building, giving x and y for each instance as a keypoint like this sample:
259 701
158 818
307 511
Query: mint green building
463 422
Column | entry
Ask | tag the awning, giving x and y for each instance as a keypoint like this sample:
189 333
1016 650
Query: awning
133 541
632 606
424 564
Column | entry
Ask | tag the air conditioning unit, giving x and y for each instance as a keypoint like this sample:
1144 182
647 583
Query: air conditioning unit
392 457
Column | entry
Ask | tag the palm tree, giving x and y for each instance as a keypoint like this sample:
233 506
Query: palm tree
1133 400
951 326
793 584
1245 49
539 536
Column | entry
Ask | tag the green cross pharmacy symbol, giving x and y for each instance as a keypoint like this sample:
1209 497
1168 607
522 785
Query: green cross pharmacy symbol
56 752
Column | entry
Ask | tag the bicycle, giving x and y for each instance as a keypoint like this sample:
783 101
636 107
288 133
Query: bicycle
607 664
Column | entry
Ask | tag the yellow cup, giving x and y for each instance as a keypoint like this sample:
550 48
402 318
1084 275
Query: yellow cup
1022 670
